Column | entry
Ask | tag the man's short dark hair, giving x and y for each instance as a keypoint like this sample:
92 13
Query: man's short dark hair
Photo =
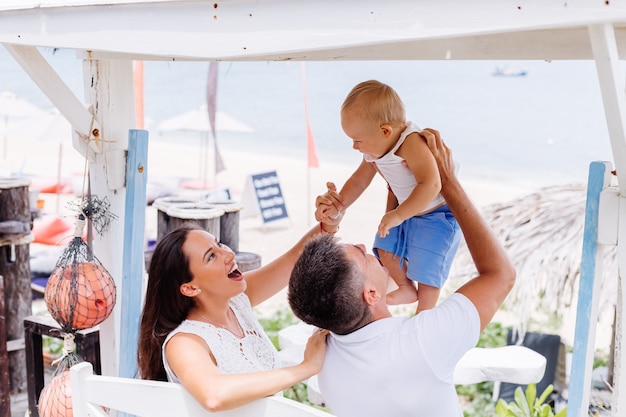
326 289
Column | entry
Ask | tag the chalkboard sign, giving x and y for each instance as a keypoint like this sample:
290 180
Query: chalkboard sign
269 201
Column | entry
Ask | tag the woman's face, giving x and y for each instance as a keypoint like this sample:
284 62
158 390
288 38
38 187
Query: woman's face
212 265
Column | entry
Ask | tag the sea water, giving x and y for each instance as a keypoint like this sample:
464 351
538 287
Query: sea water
541 128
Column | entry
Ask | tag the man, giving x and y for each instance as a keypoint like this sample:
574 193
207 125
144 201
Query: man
379 365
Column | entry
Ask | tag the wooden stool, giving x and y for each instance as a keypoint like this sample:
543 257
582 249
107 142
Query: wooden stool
87 346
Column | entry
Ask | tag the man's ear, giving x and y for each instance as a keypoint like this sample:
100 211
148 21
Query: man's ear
188 290
371 295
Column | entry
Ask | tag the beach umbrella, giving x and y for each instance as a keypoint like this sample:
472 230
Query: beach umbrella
45 125
14 107
48 125
197 120
543 235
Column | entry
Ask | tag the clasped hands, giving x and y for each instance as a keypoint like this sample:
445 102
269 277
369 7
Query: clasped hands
329 207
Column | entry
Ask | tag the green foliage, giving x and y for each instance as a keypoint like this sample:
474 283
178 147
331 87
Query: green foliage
494 335
272 325
52 345
600 359
528 405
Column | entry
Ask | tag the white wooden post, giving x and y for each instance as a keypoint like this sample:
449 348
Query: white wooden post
612 82
109 90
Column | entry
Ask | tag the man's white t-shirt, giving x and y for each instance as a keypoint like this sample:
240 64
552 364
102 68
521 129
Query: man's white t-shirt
398 366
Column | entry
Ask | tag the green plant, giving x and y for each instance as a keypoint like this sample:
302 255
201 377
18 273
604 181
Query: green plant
600 358
528 405
272 325
52 345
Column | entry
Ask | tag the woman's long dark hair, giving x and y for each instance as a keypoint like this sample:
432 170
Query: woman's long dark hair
164 307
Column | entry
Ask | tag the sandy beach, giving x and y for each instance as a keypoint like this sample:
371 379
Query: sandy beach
169 164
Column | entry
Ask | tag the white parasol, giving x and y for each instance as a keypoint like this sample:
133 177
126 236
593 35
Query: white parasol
13 107
197 120
49 126
45 125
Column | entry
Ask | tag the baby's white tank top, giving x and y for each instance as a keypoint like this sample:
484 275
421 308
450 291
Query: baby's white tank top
399 177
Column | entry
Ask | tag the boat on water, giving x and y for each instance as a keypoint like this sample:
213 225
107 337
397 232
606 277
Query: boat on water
505 72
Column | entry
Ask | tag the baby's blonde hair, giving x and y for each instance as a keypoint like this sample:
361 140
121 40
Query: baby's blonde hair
376 102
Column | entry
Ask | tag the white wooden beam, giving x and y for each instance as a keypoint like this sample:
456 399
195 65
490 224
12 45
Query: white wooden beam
318 30
84 125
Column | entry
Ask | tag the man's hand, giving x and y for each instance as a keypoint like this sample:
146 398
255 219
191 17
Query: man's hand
441 152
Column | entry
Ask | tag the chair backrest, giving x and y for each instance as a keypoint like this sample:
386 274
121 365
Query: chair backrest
91 393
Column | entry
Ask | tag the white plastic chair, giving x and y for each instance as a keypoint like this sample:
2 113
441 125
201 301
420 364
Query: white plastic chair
90 393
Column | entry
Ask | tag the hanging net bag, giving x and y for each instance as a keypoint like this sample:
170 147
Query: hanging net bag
56 397
80 292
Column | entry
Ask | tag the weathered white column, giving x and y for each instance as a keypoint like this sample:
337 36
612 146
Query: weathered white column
612 83
108 89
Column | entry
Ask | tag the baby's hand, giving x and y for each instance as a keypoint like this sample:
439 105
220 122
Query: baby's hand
389 220
328 206
324 211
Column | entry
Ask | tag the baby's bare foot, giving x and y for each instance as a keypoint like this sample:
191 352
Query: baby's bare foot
405 294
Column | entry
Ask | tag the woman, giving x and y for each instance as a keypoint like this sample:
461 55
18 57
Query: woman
197 326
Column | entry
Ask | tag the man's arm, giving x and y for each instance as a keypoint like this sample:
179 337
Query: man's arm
496 274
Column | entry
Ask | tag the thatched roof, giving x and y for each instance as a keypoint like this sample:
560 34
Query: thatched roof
543 234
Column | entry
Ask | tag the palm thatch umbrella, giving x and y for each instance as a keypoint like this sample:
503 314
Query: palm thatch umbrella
543 234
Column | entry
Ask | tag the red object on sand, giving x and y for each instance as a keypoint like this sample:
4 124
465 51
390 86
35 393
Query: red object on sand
52 230
51 186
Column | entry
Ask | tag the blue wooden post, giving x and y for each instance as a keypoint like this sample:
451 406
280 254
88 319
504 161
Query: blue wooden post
134 224
587 308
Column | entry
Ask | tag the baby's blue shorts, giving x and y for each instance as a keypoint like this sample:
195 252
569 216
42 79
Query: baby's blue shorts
427 243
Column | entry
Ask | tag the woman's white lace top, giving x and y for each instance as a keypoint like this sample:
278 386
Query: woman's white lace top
254 352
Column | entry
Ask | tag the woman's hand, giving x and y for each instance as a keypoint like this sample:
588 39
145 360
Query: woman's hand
315 350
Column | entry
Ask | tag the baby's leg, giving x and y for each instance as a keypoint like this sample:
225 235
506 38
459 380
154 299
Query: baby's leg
427 297
406 292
